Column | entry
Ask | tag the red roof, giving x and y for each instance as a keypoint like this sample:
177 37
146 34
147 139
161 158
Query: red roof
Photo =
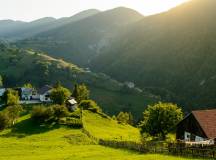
207 121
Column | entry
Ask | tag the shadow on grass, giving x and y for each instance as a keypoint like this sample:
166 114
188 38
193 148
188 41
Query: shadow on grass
28 127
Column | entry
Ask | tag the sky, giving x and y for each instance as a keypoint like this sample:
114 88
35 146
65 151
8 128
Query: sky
28 10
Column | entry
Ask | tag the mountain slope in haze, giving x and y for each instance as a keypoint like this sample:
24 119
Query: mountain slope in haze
172 53
26 66
16 30
82 41
6 26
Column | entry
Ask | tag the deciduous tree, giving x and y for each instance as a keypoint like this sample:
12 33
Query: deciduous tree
161 118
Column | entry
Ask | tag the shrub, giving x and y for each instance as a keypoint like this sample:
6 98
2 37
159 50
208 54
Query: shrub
14 113
59 95
4 120
90 105
80 92
60 111
11 97
42 114
72 122
124 117
76 114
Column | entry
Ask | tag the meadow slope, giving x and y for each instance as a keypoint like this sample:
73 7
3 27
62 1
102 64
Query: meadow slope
27 141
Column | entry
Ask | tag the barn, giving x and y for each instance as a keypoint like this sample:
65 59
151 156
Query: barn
197 126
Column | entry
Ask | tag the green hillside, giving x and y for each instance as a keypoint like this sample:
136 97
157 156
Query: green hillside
25 66
171 54
27 141
80 42
109 129
17 30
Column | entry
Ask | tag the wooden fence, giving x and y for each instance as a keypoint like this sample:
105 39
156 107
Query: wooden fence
159 147
177 149
192 151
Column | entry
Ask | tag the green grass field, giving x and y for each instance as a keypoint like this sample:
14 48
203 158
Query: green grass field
28 141
109 129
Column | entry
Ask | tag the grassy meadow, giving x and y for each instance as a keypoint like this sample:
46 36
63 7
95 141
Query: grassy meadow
28 141
109 129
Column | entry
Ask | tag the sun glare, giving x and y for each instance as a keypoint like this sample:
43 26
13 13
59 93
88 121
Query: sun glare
149 7
34 9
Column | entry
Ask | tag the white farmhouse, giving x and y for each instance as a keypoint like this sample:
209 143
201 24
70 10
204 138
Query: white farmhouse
44 93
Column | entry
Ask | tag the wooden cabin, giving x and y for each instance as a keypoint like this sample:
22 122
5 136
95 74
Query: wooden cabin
198 126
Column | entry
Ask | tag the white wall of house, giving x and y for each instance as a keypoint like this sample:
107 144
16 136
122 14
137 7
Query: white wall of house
198 139
187 137
2 91
45 97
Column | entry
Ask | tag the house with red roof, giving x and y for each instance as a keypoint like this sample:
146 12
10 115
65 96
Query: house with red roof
198 126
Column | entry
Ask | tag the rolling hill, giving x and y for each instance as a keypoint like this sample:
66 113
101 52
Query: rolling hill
171 54
80 42
26 140
17 30
26 66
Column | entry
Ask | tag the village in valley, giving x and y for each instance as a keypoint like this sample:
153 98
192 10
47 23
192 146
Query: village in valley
108 80
30 95
197 128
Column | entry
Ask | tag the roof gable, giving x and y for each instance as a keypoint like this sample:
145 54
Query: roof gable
44 89
207 121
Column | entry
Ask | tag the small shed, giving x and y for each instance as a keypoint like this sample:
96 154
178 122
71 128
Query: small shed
72 104
197 126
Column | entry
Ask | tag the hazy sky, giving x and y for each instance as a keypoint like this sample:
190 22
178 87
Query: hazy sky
28 10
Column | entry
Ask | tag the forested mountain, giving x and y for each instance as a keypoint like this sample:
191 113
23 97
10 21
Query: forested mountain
16 30
172 54
80 42
20 66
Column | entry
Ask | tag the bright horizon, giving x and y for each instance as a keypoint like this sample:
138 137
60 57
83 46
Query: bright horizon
29 10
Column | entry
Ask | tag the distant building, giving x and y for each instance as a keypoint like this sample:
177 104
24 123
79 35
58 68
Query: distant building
130 84
29 94
2 91
198 126
44 94
72 104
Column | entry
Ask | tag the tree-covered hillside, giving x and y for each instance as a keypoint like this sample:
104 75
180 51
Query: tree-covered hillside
80 42
172 54
17 30
18 67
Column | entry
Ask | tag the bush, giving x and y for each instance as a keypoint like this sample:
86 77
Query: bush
90 105
60 111
4 120
11 97
59 95
41 114
76 114
72 122
124 117
14 112
80 92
